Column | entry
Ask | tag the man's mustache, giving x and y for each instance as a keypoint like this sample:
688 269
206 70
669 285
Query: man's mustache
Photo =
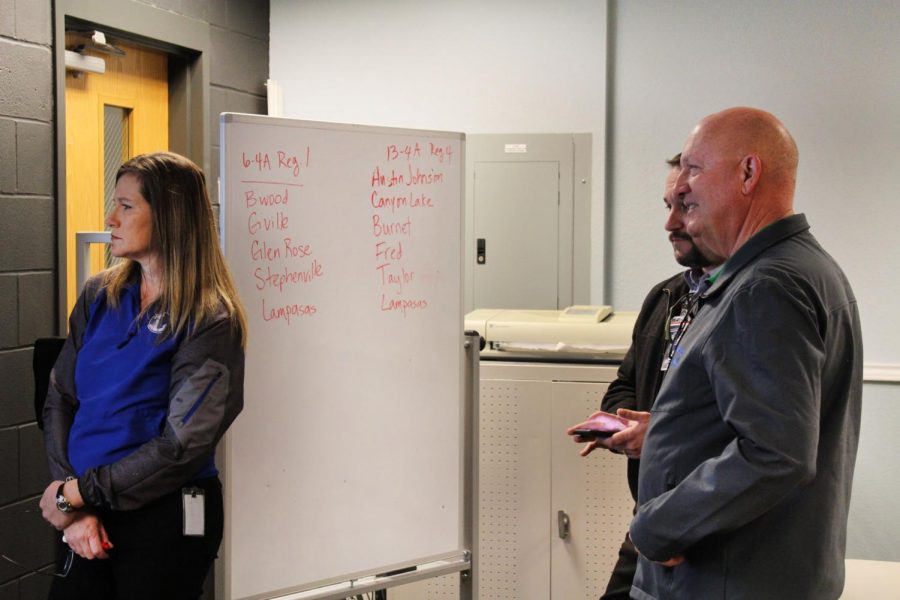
680 236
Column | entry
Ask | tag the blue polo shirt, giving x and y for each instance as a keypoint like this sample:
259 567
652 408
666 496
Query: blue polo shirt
122 377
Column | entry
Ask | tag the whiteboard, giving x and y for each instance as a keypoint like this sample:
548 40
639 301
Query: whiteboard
345 242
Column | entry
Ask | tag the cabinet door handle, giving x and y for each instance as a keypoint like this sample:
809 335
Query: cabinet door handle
562 521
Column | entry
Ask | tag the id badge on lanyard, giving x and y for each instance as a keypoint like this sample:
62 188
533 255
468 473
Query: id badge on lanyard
677 325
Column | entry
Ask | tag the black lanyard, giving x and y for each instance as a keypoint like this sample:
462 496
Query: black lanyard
677 324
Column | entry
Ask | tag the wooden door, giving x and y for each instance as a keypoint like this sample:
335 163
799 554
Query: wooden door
110 117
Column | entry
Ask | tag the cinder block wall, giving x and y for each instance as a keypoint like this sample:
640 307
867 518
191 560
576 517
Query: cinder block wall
28 273
28 234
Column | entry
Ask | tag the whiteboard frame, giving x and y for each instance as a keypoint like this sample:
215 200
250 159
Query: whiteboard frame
378 577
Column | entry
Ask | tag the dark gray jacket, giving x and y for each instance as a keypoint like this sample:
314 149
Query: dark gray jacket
211 356
748 461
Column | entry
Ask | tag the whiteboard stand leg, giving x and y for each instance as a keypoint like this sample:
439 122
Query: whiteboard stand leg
465 585
468 580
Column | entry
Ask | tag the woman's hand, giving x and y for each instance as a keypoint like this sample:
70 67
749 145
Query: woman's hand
50 512
87 537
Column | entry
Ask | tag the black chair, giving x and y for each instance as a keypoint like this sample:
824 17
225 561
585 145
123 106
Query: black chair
46 351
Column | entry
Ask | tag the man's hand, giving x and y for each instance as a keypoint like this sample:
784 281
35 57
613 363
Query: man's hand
672 562
599 421
630 440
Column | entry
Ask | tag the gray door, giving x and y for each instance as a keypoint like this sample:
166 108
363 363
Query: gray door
516 219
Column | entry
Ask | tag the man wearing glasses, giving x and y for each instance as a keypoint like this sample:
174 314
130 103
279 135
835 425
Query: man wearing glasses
663 319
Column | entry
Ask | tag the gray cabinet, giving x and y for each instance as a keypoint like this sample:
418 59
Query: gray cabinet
529 472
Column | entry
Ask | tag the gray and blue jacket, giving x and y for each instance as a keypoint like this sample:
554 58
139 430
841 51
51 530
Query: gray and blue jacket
132 412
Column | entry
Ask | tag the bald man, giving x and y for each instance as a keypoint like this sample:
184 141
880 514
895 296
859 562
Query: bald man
747 463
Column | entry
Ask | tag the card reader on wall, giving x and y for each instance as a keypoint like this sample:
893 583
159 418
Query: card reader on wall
577 333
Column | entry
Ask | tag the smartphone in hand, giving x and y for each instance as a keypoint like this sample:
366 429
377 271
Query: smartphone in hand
598 427
590 434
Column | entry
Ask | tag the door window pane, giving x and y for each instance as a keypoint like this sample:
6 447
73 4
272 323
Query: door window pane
115 152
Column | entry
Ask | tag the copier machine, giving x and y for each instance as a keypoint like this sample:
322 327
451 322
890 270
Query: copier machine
540 372
575 334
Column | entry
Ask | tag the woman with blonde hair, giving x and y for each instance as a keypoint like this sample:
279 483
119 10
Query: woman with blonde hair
149 379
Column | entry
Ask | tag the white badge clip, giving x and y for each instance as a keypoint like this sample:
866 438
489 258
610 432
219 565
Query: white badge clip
192 502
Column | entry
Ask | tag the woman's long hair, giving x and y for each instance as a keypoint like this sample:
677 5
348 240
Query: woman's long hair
195 281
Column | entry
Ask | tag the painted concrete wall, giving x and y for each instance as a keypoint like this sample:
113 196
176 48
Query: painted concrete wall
504 66
828 70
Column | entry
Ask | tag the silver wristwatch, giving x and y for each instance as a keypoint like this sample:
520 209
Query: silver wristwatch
62 503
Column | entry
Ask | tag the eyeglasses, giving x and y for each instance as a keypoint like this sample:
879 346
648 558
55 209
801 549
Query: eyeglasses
64 572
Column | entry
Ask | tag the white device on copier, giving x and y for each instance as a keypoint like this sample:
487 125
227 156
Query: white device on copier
578 333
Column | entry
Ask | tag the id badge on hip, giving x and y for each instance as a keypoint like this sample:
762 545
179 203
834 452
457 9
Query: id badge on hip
192 501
